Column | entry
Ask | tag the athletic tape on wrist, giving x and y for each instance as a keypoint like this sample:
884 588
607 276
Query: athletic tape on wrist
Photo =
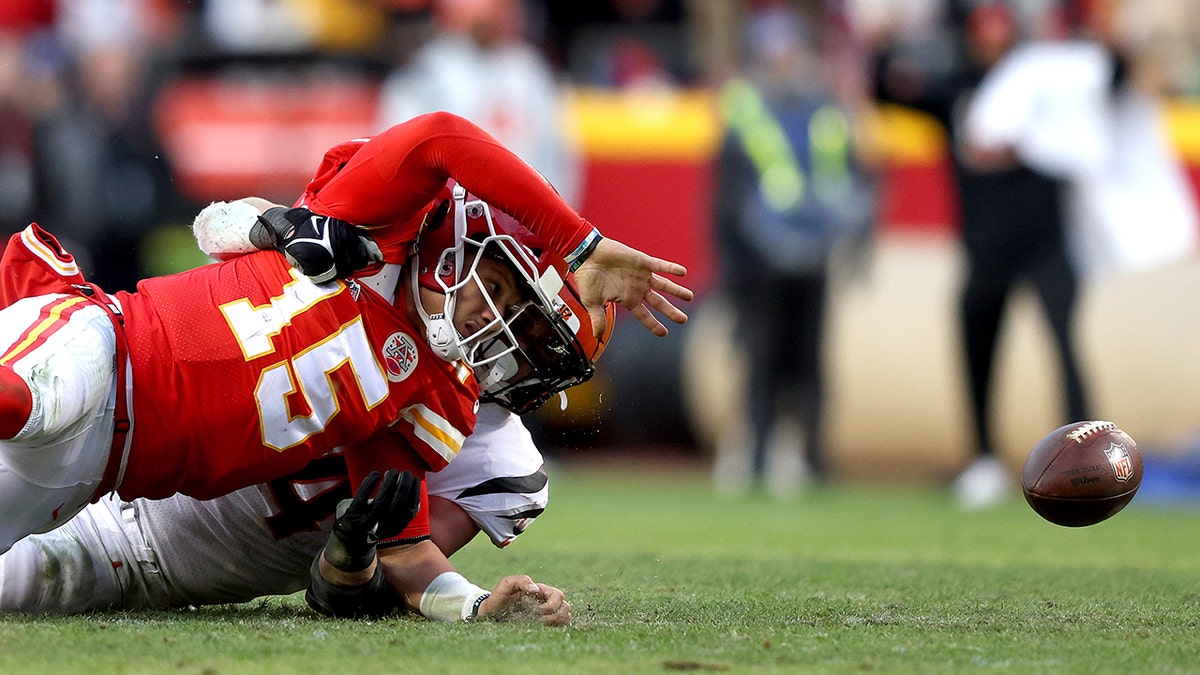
450 597
476 605
222 229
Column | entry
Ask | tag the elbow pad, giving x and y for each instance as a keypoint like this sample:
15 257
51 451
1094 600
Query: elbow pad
373 599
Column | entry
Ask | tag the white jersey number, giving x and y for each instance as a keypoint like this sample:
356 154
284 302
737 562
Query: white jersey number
307 374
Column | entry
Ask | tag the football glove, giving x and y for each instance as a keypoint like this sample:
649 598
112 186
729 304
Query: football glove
319 246
361 522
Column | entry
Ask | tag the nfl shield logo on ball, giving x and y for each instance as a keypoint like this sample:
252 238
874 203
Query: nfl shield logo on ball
1121 463
399 356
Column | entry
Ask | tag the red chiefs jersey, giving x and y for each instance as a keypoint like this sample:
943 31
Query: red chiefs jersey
245 371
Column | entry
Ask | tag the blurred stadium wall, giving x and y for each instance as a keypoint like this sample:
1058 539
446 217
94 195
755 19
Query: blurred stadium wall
897 400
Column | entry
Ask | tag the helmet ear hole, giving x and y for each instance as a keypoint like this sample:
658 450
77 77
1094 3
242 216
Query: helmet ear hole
436 217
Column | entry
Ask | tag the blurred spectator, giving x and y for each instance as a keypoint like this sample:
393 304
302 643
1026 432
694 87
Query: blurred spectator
789 191
1013 230
26 83
1133 207
478 64
103 178
624 43
294 26
1085 112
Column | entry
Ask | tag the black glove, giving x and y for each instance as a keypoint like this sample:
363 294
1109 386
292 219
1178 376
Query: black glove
319 246
361 522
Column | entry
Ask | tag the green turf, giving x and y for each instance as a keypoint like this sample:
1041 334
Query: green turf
664 577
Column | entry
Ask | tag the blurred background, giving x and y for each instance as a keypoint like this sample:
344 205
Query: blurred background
120 119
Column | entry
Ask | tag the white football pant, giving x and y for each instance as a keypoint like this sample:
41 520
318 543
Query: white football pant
64 348
182 551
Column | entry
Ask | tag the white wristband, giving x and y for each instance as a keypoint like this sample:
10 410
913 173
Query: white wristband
450 597
222 229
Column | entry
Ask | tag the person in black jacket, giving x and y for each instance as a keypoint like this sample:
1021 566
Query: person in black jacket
1013 231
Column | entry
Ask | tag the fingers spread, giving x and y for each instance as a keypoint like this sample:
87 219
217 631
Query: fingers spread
660 283
410 493
365 489
667 267
388 487
642 314
382 503
657 301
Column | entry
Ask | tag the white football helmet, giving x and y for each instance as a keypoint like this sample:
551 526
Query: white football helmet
460 232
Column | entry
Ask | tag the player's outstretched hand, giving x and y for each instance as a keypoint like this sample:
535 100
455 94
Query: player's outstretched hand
321 247
362 521
633 280
520 598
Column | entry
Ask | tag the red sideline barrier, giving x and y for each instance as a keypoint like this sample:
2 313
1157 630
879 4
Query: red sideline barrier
648 169
231 138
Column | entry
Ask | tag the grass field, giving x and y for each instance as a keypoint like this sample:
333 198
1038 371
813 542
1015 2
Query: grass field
665 577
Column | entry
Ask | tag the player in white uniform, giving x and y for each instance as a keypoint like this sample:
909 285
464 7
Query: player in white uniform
183 551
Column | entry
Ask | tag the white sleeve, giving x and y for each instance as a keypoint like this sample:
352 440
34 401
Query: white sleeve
157 554
1002 106
498 477
1050 103
162 553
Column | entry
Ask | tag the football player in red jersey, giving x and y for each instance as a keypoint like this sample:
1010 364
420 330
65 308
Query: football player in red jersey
157 554
373 386
245 371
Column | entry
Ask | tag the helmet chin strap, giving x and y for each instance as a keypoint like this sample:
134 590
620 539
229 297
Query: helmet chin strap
439 331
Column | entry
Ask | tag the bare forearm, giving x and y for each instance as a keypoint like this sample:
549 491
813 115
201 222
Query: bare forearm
410 569
450 526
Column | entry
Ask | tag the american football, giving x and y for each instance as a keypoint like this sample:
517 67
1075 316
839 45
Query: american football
1082 473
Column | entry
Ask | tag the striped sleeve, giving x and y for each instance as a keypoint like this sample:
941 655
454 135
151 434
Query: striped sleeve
435 432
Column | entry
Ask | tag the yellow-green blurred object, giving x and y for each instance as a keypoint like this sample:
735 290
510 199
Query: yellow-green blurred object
168 249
